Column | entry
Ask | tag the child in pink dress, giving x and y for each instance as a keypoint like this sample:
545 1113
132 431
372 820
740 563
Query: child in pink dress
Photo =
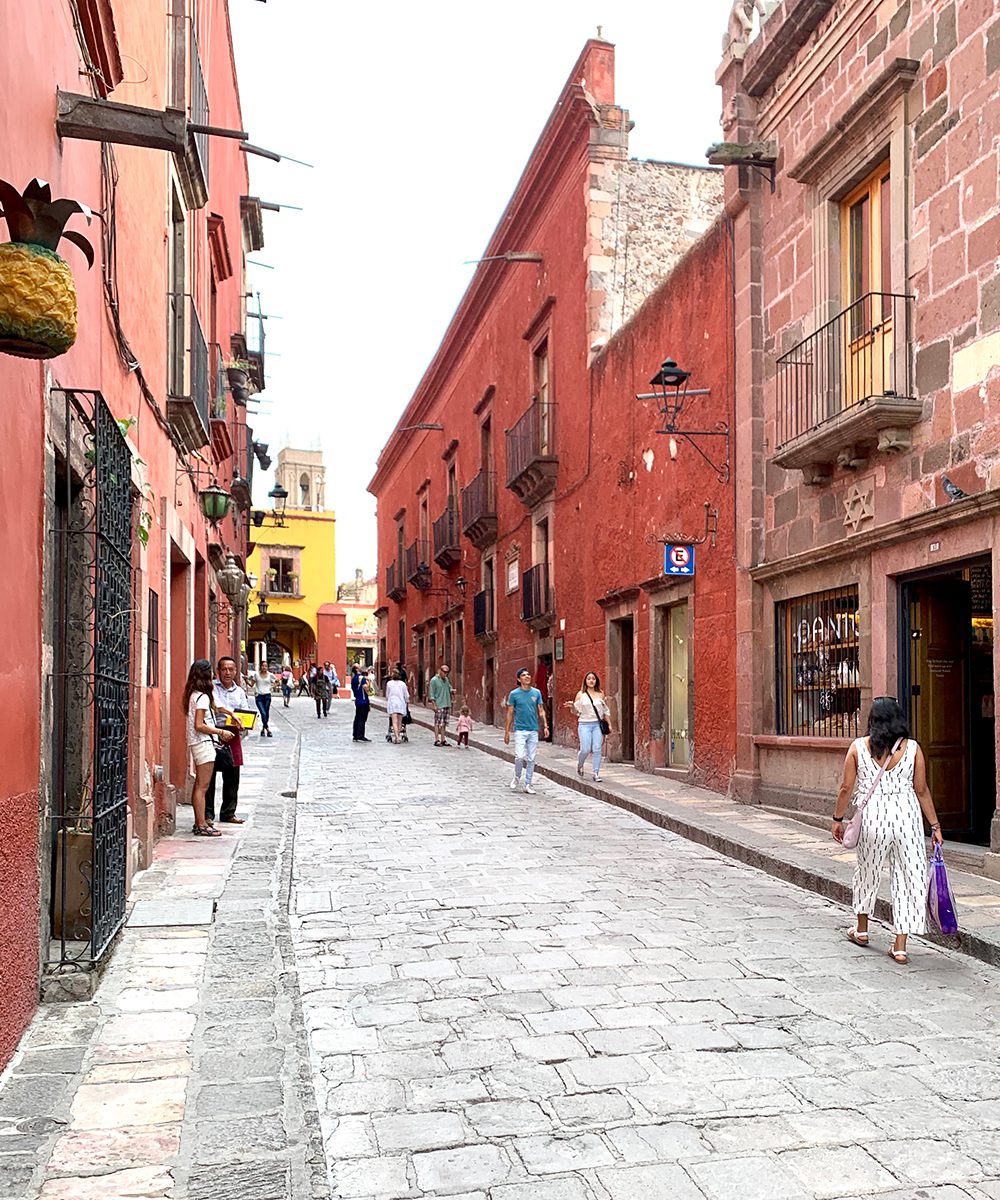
464 726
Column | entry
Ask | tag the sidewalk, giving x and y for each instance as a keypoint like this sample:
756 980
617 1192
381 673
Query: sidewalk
183 1077
781 846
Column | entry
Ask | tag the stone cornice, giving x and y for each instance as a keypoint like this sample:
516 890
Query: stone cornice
564 138
983 504
781 37
896 78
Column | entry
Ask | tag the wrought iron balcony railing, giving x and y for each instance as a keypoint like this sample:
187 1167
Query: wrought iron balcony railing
536 595
395 583
532 462
418 568
483 620
846 382
187 372
479 510
447 549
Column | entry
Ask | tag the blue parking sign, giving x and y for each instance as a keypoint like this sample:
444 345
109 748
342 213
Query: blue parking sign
678 560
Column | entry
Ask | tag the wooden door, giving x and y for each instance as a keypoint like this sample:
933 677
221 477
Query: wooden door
866 241
940 624
627 709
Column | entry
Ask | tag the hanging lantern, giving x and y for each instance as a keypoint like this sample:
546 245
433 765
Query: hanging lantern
37 292
231 578
243 597
215 502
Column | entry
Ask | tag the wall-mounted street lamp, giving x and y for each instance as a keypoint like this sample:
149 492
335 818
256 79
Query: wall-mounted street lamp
279 499
231 579
262 606
671 391
258 517
461 583
215 502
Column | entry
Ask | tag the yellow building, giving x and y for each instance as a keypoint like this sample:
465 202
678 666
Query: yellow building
294 564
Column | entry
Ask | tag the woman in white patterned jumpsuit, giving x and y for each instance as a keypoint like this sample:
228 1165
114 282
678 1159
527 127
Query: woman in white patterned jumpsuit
890 825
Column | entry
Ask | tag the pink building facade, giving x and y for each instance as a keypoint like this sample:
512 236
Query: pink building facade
862 156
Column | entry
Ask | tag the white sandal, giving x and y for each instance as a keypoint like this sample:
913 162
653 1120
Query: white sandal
854 936
900 957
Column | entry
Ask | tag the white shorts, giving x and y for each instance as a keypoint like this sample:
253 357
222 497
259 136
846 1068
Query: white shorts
202 753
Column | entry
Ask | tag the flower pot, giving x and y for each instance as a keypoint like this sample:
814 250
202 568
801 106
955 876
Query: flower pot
37 302
239 383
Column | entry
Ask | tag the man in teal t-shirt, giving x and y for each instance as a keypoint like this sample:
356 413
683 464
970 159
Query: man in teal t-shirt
440 696
525 710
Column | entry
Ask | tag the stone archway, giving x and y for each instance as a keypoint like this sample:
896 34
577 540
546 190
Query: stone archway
290 635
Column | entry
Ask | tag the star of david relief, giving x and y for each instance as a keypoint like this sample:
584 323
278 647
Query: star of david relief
859 506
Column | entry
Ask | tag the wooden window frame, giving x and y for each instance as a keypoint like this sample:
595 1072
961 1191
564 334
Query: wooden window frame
152 639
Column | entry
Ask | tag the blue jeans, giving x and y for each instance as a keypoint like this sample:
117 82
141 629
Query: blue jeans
591 741
525 746
264 708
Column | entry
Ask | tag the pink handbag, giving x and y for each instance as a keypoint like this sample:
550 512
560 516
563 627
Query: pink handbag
852 830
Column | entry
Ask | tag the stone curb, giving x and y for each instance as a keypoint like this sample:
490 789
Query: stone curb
809 878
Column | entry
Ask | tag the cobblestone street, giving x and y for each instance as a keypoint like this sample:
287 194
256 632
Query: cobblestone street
486 995
544 998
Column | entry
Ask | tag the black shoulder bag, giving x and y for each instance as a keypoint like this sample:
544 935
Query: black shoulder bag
602 721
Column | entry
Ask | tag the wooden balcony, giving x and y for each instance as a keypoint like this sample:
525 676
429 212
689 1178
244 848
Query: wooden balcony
479 510
447 546
532 463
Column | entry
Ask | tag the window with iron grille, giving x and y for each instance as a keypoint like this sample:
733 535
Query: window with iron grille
153 641
818 667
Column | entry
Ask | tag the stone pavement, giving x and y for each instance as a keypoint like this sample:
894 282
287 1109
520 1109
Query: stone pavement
514 997
186 1076
782 846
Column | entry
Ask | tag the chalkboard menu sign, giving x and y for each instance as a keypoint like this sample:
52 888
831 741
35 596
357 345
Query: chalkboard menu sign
981 582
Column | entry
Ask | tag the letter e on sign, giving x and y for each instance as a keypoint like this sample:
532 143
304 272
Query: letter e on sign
678 560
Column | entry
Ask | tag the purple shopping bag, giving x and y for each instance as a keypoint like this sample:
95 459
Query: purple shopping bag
940 903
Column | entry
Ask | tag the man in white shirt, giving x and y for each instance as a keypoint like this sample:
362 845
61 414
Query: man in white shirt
230 696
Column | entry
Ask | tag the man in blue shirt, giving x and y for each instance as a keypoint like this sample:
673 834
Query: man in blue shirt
525 711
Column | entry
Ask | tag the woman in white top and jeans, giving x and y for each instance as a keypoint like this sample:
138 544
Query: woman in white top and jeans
890 824
591 709
198 707
264 685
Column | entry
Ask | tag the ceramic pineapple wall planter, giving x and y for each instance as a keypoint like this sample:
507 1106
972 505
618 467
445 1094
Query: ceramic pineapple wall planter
37 293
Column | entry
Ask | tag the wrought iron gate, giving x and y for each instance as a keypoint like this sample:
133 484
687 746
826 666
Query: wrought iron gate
92 684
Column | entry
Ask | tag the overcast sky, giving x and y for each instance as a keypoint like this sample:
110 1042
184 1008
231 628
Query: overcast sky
419 120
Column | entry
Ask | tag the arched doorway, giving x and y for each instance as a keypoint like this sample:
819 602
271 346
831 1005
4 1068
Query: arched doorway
280 638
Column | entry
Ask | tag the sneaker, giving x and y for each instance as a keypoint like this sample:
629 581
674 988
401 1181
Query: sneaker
269 733
513 784
597 779
529 790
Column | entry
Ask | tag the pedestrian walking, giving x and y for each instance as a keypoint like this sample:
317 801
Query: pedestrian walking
264 686
525 712
464 726
286 685
320 691
304 682
330 671
397 696
203 739
593 722
229 696
359 688
440 698
886 773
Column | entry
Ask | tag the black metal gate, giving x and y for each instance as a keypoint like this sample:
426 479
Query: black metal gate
91 694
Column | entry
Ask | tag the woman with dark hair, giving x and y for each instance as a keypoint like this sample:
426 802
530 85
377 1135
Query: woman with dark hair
887 766
198 706
593 722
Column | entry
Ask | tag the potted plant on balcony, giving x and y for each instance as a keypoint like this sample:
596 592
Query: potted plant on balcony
238 373
293 581
272 578
37 293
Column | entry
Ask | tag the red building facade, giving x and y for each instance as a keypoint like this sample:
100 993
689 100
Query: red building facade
868 344
526 496
114 442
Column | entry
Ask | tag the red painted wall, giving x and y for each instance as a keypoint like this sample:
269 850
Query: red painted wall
608 508
29 147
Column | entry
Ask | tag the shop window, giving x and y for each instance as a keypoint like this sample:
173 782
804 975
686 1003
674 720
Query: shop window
818 668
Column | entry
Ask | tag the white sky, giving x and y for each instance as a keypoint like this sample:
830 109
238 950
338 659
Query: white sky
419 120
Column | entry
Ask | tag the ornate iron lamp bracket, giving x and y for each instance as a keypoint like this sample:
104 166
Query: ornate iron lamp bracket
711 531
